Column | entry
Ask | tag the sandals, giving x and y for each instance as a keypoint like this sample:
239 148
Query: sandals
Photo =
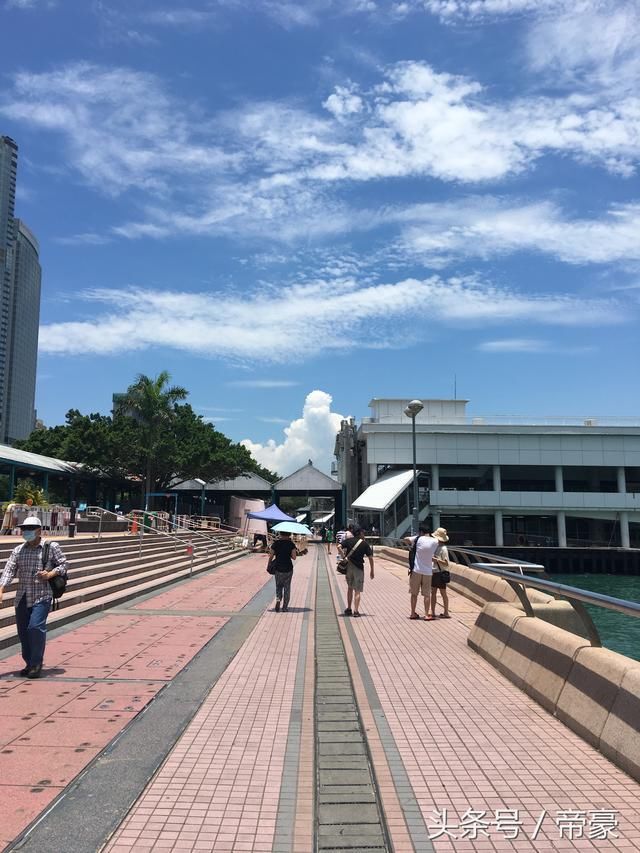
414 616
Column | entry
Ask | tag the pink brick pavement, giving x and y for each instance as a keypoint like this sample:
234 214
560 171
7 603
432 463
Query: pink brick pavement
219 787
52 728
470 740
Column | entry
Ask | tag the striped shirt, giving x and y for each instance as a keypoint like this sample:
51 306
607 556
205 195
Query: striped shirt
25 561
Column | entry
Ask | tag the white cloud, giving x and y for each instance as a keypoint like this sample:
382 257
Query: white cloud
450 10
531 345
312 437
120 128
343 102
485 227
30 4
595 41
327 316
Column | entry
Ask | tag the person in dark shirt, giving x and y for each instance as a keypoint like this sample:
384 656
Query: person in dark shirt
355 548
283 550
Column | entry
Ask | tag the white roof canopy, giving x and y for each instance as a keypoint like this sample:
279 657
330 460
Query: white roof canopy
384 491
324 518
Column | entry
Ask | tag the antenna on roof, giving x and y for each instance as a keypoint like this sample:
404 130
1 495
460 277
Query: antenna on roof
455 387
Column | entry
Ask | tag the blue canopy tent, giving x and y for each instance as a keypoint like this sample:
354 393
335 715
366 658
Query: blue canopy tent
271 513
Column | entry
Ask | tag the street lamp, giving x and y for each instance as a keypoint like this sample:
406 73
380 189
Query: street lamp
413 409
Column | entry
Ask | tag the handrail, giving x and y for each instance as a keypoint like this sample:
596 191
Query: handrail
177 540
490 559
575 596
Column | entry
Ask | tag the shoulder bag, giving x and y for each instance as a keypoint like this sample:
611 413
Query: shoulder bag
343 564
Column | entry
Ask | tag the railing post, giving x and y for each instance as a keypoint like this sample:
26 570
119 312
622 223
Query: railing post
190 551
100 526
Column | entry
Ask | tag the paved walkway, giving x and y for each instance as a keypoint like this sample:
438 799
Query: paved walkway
462 760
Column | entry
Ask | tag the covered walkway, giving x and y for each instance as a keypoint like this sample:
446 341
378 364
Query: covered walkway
280 731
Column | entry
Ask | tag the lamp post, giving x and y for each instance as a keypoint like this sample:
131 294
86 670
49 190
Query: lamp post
413 409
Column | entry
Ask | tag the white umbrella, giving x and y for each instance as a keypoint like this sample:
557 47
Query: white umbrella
292 527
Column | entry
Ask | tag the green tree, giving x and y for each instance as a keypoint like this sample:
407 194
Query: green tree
151 403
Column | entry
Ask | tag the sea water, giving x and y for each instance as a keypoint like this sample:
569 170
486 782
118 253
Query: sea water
618 632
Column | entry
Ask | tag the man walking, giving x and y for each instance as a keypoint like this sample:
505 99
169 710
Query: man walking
420 575
355 548
33 596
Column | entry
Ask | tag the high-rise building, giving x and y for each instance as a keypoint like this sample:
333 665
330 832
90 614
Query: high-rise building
19 307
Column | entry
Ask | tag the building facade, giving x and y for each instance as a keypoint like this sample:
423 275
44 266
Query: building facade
494 482
19 307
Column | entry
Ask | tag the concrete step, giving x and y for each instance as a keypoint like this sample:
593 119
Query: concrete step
83 583
110 594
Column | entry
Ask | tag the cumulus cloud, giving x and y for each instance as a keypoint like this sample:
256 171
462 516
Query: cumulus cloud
312 437
327 316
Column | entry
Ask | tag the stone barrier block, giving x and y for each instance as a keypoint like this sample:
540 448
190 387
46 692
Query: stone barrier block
620 738
492 630
522 648
551 662
562 615
591 690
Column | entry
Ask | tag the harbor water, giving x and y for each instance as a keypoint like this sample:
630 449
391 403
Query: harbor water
618 632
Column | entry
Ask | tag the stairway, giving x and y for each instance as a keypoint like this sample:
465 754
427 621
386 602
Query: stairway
115 569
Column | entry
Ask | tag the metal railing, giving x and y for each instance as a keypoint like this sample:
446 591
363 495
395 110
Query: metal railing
576 597
142 526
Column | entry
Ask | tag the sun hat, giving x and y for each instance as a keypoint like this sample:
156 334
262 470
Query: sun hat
440 534
31 521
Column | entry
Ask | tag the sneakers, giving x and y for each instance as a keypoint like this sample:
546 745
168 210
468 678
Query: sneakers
34 671
285 607
348 611
278 606
24 672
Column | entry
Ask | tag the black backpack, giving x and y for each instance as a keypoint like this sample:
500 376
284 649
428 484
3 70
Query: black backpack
58 583
412 553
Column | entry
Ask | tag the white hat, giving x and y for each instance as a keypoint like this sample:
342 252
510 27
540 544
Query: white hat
440 534
31 521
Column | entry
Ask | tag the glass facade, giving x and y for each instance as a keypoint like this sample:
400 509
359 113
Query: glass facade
19 307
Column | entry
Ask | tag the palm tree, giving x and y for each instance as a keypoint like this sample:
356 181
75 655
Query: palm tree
152 404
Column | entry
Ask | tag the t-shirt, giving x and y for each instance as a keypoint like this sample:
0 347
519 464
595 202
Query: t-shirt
443 554
283 548
329 535
425 550
364 550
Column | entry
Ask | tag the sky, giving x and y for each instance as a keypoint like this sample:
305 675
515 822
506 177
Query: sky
296 207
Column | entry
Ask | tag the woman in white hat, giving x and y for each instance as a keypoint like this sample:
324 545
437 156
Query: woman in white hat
438 582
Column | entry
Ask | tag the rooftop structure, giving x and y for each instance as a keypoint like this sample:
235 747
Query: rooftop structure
495 481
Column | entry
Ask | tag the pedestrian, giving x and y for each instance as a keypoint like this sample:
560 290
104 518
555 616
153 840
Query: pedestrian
440 565
33 596
355 548
329 538
420 574
284 552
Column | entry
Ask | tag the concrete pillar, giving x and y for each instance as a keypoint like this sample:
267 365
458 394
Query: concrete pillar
497 517
622 479
562 530
435 479
435 519
497 484
624 530
559 480
373 474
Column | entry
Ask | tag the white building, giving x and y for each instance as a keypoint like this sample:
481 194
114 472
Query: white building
494 481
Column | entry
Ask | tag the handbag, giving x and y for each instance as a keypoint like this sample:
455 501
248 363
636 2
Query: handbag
443 574
271 566
343 564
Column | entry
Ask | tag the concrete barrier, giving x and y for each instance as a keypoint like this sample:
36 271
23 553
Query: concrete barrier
594 691
591 690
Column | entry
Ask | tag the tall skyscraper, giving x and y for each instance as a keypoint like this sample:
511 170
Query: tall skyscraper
20 276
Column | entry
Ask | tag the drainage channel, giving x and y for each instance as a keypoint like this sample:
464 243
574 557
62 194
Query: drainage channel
349 814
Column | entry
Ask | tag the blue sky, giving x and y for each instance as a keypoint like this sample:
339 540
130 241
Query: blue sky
295 207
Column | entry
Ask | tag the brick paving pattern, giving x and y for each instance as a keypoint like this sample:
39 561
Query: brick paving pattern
97 678
219 788
470 740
